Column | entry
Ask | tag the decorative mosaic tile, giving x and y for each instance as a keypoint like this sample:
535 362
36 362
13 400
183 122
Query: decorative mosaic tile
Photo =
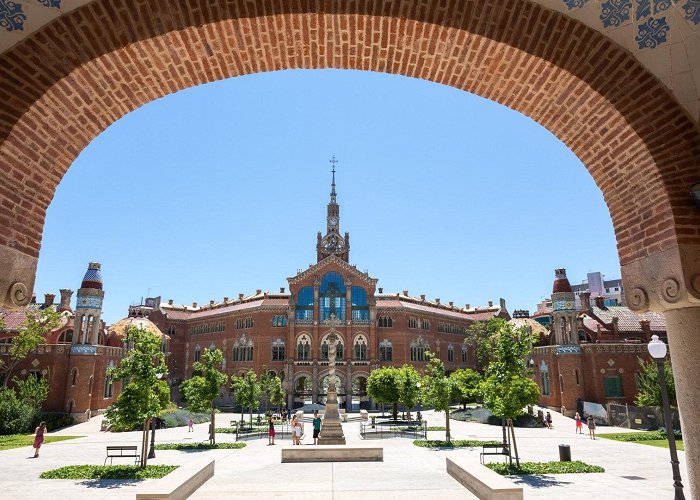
51 3
643 9
11 16
567 349
661 5
652 33
692 11
575 4
615 12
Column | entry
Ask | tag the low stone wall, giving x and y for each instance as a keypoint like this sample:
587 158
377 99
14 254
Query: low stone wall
482 481
332 454
179 484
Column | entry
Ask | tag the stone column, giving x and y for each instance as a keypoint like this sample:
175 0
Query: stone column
332 430
348 385
314 381
683 327
669 282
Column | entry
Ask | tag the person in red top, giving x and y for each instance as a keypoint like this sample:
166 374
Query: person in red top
579 424
39 438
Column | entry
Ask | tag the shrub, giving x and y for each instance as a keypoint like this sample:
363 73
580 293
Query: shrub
455 443
109 472
199 446
16 417
529 468
56 420
629 437
180 417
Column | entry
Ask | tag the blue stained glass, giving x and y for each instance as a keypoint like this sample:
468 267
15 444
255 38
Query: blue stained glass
332 296
332 278
359 296
305 303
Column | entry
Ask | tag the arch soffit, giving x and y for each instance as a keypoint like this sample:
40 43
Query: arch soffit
638 143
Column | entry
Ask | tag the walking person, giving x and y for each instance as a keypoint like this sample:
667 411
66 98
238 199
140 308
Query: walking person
293 426
271 431
39 438
317 426
190 425
579 424
591 427
548 419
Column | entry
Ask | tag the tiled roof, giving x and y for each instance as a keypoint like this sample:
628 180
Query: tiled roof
628 320
122 326
536 327
14 318
407 302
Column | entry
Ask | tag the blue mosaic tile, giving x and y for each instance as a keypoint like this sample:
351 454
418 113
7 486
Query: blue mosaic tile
51 3
643 9
652 33
661 5
575 4
11 16
692 11
615 12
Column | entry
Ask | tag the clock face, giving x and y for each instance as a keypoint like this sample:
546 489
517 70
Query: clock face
563 305
333 221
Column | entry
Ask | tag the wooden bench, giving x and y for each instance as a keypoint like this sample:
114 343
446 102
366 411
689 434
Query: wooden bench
122 451
494 449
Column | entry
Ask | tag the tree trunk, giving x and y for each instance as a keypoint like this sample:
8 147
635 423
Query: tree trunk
144 443
212 431
447 425
515 445
395 411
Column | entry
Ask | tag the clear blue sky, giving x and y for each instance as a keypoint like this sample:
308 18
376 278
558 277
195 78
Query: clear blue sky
220 189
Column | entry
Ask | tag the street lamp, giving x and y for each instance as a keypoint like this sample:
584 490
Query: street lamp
152 451
657 350
419 417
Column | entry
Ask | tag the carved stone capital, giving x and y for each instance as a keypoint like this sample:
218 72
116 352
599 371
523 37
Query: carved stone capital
664 281
17 272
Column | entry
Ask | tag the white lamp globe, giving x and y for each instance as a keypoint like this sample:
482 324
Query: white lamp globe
657 349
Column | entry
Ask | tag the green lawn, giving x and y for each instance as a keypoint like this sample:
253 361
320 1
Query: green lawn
199 446
653 438
662 443
109 472
455 443
21 440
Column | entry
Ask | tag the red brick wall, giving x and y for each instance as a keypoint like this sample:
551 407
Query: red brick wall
67 82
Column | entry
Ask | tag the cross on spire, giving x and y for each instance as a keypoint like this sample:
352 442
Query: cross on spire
333 161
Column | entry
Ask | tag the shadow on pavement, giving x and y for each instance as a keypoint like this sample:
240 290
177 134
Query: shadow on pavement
539 481
109 483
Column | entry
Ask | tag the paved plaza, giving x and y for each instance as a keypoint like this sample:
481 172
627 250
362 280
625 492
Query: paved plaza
407 471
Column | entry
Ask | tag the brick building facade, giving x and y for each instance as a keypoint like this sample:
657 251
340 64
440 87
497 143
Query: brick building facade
593 354
285 333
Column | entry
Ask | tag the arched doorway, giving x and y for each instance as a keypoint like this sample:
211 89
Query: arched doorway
638 143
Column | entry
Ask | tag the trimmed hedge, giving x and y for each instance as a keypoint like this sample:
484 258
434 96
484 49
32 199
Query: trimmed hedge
629 437
199 446
455 443
437 428
109 472
532 468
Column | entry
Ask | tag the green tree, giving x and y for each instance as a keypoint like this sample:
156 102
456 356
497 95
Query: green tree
145 395
32 391
409 390
247 389
477 338
649 393
466 383
383 387
201 390
31 334
438 390
275 393
507 387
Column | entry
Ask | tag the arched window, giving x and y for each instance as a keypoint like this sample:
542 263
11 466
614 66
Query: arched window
418 349
384 322
544 378
450 353
412 323
278 353
386 349
243 349
339 350
92 379
109 386
464 353
577 375
332 296
305 304
360 349
279 320
197 353
360 306
425 324
74 376
66 337
304 348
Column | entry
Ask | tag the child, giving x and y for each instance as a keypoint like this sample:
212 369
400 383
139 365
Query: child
39 438
271 431
579 424
591 427
190 425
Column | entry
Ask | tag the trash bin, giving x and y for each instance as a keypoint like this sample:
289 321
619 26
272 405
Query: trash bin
564 453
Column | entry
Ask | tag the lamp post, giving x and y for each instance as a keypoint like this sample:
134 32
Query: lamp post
419 417
657 350
152 450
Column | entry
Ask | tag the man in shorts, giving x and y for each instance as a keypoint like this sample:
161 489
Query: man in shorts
317 426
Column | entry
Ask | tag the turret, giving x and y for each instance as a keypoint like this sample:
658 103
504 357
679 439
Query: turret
88 307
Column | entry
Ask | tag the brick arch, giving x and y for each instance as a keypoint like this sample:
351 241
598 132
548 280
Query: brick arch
64 84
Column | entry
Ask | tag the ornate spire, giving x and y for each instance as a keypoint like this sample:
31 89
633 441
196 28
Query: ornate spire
333 161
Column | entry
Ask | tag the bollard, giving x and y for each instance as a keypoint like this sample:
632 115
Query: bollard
564 453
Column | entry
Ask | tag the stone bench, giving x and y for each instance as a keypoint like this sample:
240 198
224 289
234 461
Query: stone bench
482 481
296 454
364 415
179 484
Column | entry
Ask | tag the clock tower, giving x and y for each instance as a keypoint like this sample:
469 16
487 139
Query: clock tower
88 307
333 243
564 323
